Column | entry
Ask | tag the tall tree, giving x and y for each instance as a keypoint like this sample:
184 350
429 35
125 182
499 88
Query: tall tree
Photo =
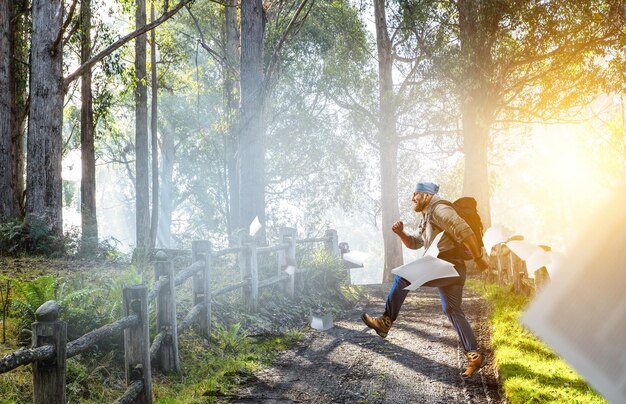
45 118
388 142
13 94
231 109
89 220
8 206
251 154
142 166
154 143
512 62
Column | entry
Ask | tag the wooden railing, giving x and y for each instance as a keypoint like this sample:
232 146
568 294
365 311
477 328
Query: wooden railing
506 268
50 348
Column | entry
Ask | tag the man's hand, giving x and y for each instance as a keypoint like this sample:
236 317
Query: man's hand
398 227
481 263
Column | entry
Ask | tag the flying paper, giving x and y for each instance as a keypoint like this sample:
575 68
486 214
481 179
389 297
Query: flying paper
581 313
538 259
524 249
426 268
495 235
255 226
356 257
321 322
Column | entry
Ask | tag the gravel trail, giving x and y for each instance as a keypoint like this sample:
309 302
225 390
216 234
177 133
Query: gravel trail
420 361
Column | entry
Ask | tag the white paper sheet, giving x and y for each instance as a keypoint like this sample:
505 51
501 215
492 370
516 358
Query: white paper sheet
581 313
426 268
538 259
523 249
255 226
495 235
356 257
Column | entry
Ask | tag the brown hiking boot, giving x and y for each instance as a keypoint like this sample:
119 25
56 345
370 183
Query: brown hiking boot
381 324
475 361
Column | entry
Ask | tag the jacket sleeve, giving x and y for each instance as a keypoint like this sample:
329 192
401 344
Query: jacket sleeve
446 218
416 242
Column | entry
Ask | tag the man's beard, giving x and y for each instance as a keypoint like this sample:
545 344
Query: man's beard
418 207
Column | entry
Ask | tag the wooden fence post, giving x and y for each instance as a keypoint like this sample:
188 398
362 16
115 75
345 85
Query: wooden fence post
288 235
332 244
201 250
242 260
49 374
137 341
501 263
253 264
542 278
249 270
168 359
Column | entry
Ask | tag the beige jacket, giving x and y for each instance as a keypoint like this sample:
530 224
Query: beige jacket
444 218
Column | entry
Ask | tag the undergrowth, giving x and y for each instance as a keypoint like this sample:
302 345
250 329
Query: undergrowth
529 370
241 342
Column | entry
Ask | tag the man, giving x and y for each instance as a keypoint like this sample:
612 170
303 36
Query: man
458 237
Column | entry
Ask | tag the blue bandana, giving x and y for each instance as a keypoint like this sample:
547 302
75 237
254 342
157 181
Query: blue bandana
427 187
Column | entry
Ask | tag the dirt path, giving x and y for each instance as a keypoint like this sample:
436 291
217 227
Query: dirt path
420 361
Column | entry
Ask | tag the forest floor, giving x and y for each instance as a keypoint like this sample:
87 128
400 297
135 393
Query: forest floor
420 361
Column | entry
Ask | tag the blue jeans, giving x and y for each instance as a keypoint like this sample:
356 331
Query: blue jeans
450 294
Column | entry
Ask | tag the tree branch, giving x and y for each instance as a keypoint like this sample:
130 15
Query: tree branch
64 27
274 59
116 45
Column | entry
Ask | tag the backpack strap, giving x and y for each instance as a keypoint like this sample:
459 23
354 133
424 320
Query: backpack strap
459 251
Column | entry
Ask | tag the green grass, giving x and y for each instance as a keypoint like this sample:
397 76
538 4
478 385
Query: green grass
211 374
530 372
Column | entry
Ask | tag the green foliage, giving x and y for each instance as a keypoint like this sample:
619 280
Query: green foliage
29 296
210 374
231 339
529 370
33 237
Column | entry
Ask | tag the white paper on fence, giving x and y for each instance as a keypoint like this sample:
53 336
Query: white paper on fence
538 259
581 313
523 249
495 235
255 226
356 257
556 262
290 270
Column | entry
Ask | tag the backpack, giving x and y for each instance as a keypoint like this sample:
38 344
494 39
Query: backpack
465 207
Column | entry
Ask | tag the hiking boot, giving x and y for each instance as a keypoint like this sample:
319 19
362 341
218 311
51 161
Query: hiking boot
475 361
381 324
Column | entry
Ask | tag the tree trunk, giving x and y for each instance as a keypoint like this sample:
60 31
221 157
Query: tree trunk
251 156
45 121
476 108
13 76
231 102
142 183
89 220
154 220
168 156
8 208
388 141
19 65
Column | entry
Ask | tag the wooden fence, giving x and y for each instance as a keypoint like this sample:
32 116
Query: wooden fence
506 268
50 348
